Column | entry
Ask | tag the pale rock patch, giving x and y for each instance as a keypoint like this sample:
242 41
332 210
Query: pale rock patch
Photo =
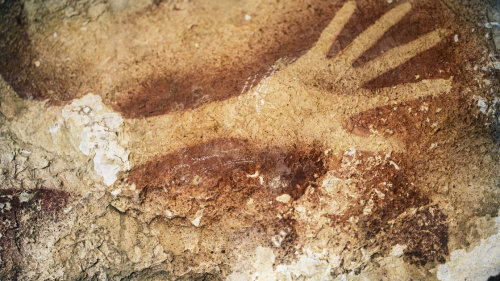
398 250
100 135
25 196
197 220
308 266
283 198
480 263
483 107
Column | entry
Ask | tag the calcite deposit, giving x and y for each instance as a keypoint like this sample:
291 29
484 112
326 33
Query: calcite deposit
249 140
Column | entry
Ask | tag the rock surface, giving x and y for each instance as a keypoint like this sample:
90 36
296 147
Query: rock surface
261 140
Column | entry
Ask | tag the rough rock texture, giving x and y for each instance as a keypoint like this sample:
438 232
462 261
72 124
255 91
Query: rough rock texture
259 140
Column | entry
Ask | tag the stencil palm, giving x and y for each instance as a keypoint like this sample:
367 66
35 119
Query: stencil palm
302 102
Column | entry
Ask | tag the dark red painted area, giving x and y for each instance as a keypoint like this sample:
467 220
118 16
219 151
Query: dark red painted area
47 202
439 62
390 220
221 176
370 176
201 170
424 17
366 14
19 220
425 234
